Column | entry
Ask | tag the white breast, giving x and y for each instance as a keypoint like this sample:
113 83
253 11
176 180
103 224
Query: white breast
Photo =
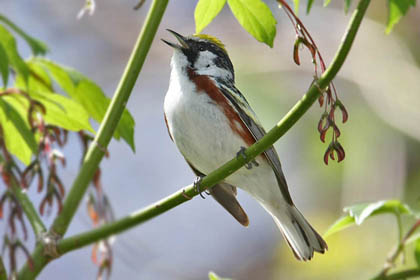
198 126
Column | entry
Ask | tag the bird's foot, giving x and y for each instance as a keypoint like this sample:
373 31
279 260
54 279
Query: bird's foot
196 184
242 154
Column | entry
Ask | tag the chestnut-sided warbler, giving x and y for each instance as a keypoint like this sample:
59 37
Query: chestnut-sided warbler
210 121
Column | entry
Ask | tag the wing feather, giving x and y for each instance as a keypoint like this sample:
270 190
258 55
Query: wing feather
251 121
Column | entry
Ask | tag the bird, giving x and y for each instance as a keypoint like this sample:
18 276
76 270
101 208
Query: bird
210 122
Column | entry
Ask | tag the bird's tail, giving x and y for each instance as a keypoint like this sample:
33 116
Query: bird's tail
299 234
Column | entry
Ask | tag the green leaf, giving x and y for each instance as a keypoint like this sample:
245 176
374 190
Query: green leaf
4 66
256 18
19 139
90 96
358 213
397 9
362 211
38 81
309 6
60 74
326 2
340 224
96 103
60 111
206 11
347 4
9 44
37 46
417 252
64 112
213 276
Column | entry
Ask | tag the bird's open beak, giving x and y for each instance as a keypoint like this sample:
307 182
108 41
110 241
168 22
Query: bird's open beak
181 40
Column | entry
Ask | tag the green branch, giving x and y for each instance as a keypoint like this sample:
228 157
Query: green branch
3 273
399 249
230 167
411 273
29 209
97 148
112 117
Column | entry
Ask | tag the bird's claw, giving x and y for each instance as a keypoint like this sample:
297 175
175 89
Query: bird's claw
196 184
242 154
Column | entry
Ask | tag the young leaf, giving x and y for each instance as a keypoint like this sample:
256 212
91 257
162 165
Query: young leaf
256 18
38 47
206 11
95 102
347 6
213 276
90 96
397 9
39 80
9 44
364 210
340 224
417 252
309 6
4 66
59 73
64 112
358 213
19 139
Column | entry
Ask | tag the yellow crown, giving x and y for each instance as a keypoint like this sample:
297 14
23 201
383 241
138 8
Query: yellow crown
211 39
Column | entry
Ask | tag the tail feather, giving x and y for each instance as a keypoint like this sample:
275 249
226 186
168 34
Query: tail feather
299 234
225 194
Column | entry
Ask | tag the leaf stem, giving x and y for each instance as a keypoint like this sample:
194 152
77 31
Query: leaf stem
233 165
410 273
97 148
28 208
390 262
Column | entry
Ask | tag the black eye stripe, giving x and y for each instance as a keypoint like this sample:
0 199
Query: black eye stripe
222 60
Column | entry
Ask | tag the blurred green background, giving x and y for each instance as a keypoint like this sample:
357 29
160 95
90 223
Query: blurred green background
379 84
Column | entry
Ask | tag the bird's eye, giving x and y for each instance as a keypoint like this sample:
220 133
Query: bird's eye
208 65
201 49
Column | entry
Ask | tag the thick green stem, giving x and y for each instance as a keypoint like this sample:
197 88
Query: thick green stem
112 117
29 209
3 274
96 150
230 167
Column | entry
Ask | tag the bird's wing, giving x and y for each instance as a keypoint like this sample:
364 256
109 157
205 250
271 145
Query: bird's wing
251 121
225 194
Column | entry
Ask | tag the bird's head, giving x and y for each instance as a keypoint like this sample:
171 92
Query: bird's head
204 54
